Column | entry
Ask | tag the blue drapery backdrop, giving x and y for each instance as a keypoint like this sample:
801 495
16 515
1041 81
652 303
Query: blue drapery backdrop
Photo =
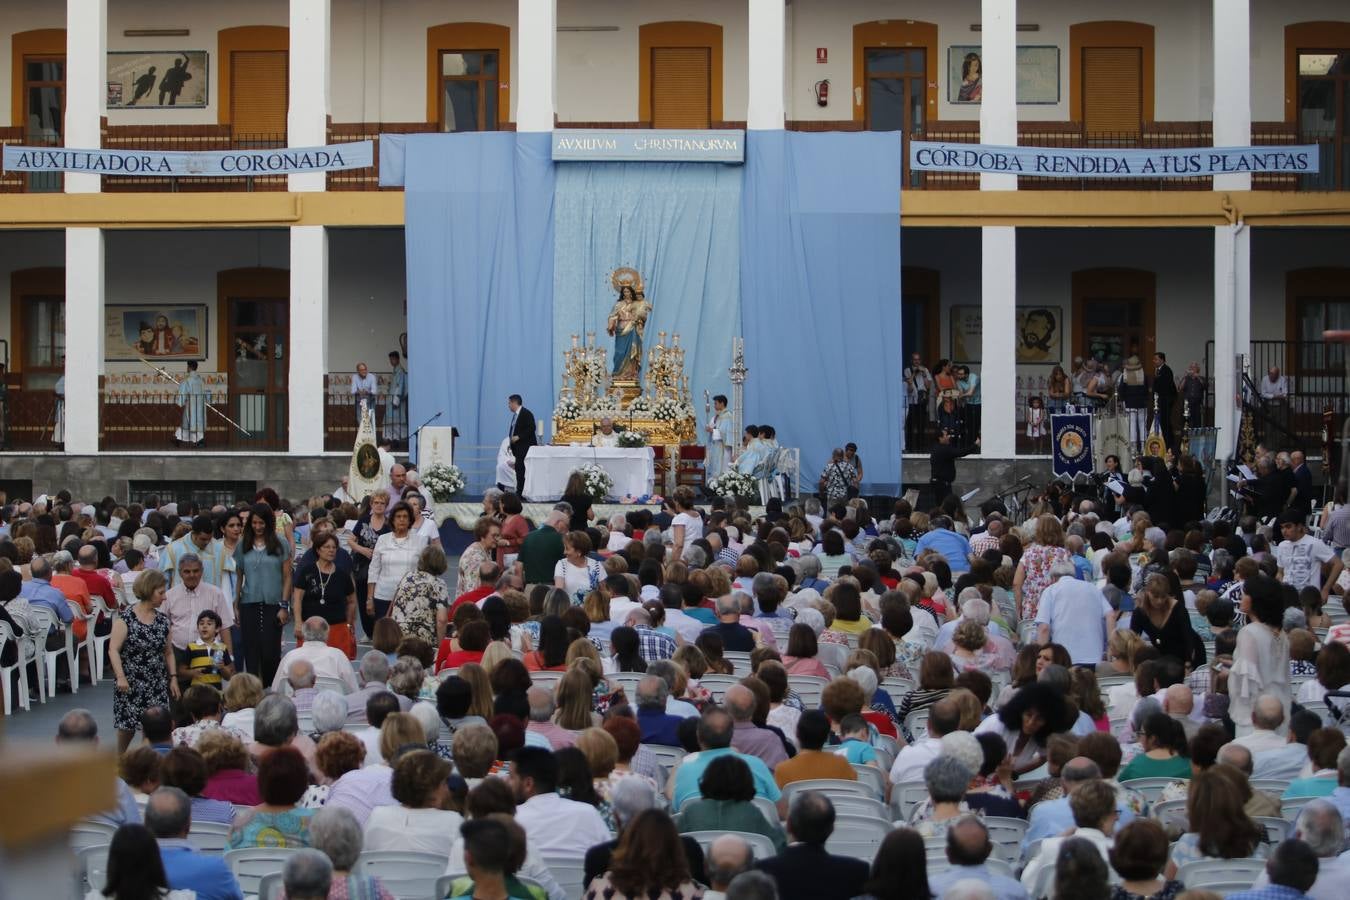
820 295
813 283
678 225
479 233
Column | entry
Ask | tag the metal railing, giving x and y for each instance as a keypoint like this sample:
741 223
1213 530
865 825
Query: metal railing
1315 374
188 140
29 182
149 421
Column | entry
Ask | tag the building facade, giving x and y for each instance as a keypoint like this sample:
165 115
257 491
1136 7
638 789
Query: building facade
283 284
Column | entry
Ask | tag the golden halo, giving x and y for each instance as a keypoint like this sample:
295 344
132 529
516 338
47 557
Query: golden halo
625 277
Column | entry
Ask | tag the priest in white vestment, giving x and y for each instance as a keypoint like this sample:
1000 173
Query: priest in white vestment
606 436
719 439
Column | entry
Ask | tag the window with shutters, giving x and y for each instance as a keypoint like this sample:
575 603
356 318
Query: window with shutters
258 94
1324 113
681 87
44 106
469 90
1113 90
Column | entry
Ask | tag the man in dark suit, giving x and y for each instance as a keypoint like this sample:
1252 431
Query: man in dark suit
1303 480
1165 394
805 870
522 438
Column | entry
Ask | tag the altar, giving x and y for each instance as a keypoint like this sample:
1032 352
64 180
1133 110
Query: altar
548 467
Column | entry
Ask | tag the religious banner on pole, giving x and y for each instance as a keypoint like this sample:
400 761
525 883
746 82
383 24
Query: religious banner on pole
1072 443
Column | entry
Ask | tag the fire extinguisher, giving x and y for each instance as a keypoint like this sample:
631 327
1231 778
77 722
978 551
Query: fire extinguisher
822 89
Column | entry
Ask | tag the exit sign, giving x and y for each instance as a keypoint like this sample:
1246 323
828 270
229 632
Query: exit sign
822 54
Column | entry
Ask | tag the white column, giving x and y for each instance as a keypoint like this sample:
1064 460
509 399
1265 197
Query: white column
307 116
1232 245
372 57
1232 328
998 368
86 83
309 337
767 61
536 64
84 337
998 101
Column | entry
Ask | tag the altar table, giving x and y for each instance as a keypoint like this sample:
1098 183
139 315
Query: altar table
548 467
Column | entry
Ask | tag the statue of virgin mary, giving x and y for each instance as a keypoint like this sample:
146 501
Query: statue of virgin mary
626 323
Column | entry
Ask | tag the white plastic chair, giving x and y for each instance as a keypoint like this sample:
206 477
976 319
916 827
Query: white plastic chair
1276 829
1273 786
906 795
1171 812
827 786
546 680
717 683
667 756
18 671
98 642
94 864
329 683
809 688
1223 876
859 806
760 846
1006 835
740 662
250 864
209 837
857 836
569 872
86 833
405 873
872 777
768 808
916 723
42 620
628 681
1290 808
1151 788
271 886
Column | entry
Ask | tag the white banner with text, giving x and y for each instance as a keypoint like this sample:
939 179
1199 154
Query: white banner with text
198 164
1055 162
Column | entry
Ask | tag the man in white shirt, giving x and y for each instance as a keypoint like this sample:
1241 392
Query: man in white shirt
1321 827
1301 556
944 717
552 824
1271 751
1274 386
187 600
685 625
968 847
328 662
1075 614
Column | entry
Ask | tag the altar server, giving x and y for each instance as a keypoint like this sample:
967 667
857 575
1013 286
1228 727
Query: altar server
192 398
396 414
719 438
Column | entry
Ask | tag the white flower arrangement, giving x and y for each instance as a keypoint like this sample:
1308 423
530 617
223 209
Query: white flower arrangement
605 405
668 409
632 438
444 481
733 484
599 484
640 405
567 410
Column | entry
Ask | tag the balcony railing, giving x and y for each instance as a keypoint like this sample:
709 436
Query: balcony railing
188 139
29 182
1315 373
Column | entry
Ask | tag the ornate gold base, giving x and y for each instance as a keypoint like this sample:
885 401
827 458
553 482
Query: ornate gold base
579 431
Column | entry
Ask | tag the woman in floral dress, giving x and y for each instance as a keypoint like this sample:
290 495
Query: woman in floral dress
421 602
486 536
1033 570
142 657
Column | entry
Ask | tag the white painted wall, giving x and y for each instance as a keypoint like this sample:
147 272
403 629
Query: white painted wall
205 21
367 296
1277 251
1269 17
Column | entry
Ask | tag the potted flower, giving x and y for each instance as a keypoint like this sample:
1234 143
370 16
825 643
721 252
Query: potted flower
444 481
599 484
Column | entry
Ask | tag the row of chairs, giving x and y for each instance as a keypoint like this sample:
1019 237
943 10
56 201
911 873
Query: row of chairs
33 651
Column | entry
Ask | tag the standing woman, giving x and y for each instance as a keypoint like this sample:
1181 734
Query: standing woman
368 529
323 590
232 526
1033 569
263 604
394 556
580 499
687 526
142 657
1261 659
487 535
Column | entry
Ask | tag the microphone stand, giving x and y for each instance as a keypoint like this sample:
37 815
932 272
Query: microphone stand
412 440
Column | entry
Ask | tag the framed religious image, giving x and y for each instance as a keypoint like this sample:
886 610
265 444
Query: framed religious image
1039 335
157 79
966 334
167 331
1037 74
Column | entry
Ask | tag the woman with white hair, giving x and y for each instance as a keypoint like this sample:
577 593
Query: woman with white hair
947 779
335 832
429 718
619 534
329 714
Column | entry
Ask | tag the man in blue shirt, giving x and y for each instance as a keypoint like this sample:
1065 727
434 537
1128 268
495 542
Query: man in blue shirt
954 547
38 591
658 727
168 815
1292 870
714 737
968 847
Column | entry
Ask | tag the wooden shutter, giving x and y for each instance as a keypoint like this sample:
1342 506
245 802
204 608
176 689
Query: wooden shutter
258 92
1113 92
681 87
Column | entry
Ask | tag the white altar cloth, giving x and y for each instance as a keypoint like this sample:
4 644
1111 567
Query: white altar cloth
547 468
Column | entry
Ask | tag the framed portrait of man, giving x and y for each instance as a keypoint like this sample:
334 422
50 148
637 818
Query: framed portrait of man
1039 335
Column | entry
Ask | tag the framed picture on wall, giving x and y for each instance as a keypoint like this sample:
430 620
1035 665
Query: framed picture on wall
1040 335
1037 74
157 79
169 331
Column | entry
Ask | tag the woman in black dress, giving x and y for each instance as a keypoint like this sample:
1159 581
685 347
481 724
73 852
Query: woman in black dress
142 657
369 527
1160 618
576 496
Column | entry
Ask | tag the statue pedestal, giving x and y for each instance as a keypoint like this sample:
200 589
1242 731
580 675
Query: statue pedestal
628 389
659 432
